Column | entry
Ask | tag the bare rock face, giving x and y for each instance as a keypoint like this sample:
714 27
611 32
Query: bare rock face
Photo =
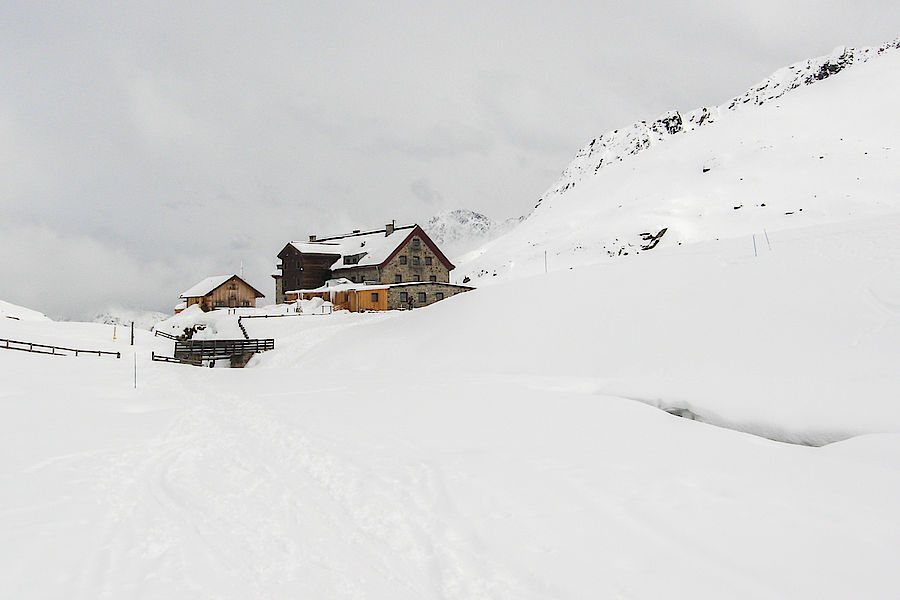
618 145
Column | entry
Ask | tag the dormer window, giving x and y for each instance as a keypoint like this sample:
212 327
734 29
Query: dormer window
352 259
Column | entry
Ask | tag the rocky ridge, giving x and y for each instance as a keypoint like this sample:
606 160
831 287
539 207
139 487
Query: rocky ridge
617 145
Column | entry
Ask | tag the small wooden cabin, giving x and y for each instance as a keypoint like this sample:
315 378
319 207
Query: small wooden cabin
220 291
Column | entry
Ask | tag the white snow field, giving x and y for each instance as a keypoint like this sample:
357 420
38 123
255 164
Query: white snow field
498 444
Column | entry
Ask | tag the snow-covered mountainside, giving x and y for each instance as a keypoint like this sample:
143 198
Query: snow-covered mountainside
461 230
621 143
816 142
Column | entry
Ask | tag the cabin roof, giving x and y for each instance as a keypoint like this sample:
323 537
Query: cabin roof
206 286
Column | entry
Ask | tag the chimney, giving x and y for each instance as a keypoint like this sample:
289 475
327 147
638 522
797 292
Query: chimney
389 228
312 238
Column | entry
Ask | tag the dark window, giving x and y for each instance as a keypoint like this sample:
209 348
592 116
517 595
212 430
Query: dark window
439 296
421 296
427 261
403 260
398 278
404 297
415 261
416 278
416 242
374 296
432 278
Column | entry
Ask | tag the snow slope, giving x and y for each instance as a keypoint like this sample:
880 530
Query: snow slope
504 443
11 311
785 155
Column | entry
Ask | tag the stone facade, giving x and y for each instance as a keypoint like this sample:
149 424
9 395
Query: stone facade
410 296
415 262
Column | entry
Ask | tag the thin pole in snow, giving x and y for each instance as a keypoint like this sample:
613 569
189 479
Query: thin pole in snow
766 233
135 369
754 245
132 333
545 261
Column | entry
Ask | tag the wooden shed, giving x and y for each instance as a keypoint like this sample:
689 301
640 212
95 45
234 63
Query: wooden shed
220 291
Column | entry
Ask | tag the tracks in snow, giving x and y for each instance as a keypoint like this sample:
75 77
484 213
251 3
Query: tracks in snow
229 493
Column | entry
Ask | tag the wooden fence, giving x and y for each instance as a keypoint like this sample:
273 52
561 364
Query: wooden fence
53 350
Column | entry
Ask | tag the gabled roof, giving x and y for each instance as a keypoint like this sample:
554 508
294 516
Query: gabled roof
428 242
382 250
208 285
374 248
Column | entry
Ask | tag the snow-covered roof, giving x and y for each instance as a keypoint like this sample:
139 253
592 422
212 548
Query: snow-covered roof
317 247
204 287
209 284
375 246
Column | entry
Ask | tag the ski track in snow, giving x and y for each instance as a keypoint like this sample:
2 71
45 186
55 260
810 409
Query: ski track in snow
156 493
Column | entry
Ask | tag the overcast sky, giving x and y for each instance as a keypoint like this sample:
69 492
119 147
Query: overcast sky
144 148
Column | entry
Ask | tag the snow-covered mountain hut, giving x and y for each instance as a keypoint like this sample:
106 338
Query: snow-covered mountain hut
220 291
373 266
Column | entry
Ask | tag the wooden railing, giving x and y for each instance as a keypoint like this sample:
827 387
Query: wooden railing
207 349
171 359
53 350
168 336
